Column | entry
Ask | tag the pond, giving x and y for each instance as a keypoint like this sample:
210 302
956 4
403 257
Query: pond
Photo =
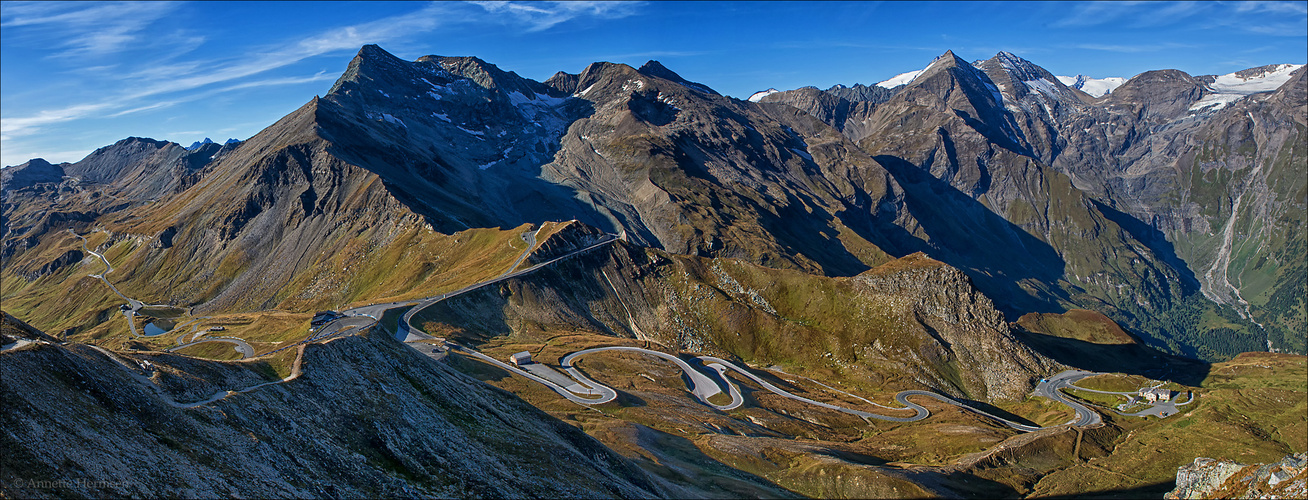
152 330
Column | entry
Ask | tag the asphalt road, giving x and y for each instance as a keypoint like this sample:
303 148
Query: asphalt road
606 394
704 386
701 385
530 239
408 333
1049 388
712 361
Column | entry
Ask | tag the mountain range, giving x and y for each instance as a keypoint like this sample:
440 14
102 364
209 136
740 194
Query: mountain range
969 228
1047 197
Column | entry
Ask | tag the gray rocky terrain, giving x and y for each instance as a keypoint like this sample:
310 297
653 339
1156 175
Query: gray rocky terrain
367 418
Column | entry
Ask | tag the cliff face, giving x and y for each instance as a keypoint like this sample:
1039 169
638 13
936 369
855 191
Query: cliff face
971 335
1209 478
368 417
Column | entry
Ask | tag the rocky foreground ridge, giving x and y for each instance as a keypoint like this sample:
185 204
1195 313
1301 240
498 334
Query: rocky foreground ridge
366 417
1210 478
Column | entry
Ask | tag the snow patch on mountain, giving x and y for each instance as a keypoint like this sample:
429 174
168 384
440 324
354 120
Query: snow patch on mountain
387 117
1234 83
758 96
900 79
1097 87
1214 102
392 119
1042 86
1232 87
696 87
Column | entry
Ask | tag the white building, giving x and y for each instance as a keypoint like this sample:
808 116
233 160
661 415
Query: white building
1156 394
522 358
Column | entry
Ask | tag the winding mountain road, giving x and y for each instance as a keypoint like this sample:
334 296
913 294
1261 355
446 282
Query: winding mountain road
408 333
1050 388
135 305
702 385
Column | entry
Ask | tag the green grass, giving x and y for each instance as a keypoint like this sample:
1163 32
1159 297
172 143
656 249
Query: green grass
1250 410
1095 398
221 351
1115 382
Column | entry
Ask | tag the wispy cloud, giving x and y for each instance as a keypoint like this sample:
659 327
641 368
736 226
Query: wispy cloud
1274 7
1131 49
1131 14
1267 18
1095 13
87 29
537 16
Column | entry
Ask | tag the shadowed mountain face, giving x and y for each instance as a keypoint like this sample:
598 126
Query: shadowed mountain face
1148 187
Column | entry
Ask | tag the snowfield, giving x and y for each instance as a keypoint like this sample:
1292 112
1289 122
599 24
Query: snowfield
758 96
900 79
1097 87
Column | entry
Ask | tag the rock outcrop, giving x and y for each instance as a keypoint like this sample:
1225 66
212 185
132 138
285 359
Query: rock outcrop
1211 478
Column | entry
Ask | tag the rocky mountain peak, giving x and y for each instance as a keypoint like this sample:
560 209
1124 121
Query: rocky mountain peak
1163 94
486 75
563 82
29 173
1020 69
34 163
656 69
1005 69
196 145
943 62
1017 78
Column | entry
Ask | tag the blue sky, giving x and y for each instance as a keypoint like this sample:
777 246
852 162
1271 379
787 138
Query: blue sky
81 75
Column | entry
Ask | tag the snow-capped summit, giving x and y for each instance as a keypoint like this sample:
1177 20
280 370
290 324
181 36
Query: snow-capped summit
758 96
1097 87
